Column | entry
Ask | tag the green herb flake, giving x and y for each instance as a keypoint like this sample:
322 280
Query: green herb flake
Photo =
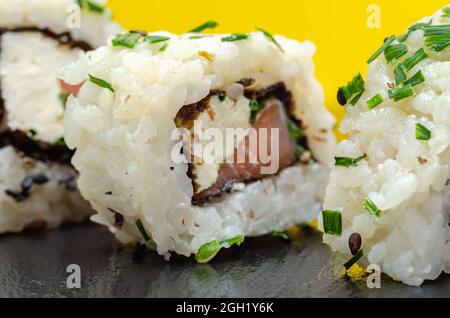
91 6
354 89
295 131
157 39
63 97
108 193
381 49
354 260
207 25
348 162
422 132
163 47
437 37
399 74
32 132
414 59
411 29
394 52
235 37
60 142
299 151
271 38
332 222
371 207
374 101
127 40
196 37
400 93
280 234
255 108
209 250
446 12
101 83
142 230
416 79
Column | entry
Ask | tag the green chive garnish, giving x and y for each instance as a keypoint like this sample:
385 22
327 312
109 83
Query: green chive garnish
271 38
414 59
299 151
60 142
32 132
381 49
394 52
255 108
209 250
63 97
348 162
371 207
101 83
108 193
163 47
332 222
400 93
280 234
374 101
91 6
127 40
422 132
294 131
207 25
157 38
354 260
411 29
446 12
399 74
141 229
354 89
235 37
416 79
437 37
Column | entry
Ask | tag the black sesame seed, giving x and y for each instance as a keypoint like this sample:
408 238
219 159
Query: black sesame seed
119 220
354 243
341 98
18 196
27 184
40 178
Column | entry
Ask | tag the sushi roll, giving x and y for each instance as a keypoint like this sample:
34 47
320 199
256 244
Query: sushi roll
37 182
150 185
387 202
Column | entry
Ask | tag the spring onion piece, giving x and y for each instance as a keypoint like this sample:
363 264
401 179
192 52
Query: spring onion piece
196 37
157 38
163 47
209 250
446 12
400 93
394 52
127 40
299 151
381 49
280 234
235 37
354 90
294 131
414 59
60 142
32 132
141 229
207 25
399 74
374 101
411 29
101 83
422 132
255 108
354 260
332 222
348 162
271 38
63 97
371 207
416 79
437 37
91 6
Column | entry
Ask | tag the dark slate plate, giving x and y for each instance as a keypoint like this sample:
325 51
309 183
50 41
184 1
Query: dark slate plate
34 265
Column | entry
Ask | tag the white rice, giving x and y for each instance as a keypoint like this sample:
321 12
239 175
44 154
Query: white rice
405 177
123 146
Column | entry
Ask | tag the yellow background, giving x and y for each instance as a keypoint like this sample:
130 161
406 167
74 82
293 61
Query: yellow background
338 28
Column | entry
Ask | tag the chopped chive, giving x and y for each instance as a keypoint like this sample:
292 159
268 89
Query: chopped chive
422 132
141 229
374 101
163 47
416 79
400 93
414 59
91 6
32 132
127 40
63 97
295 131
209 250
255 108
348 162
371 207
399 74
354 90
60 142
280 234
332 222
394 52
101 83
235 37
381 49
437 37
299 151
271 38
207 25
157 38
108 193
354 260
446 12
196 37
411 29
